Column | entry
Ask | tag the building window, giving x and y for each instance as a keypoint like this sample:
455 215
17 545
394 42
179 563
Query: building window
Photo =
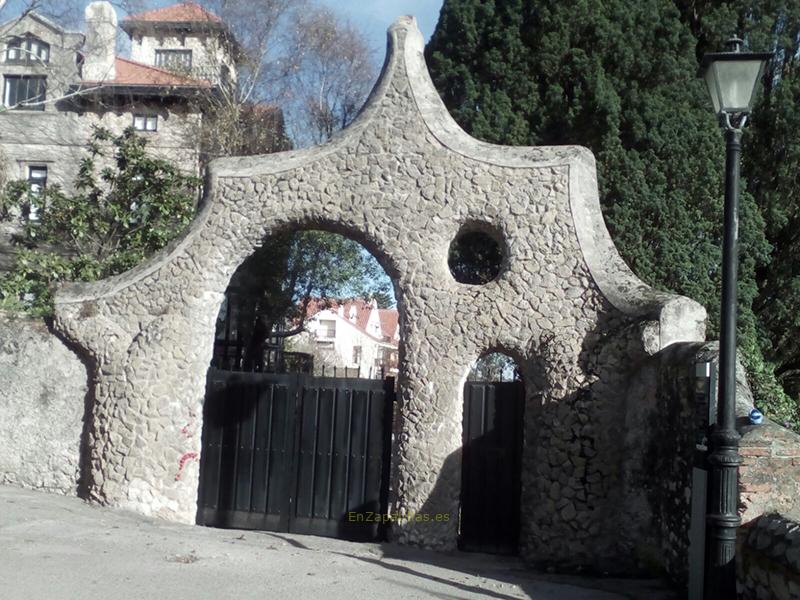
356 355
22 91
27 50
380 357
174 59
14 51
145 122
327 329
37 182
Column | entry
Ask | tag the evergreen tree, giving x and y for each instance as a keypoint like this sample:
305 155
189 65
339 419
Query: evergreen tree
620 78
770 167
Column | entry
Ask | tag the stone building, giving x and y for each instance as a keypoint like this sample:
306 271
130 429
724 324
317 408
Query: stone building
186 38
58 85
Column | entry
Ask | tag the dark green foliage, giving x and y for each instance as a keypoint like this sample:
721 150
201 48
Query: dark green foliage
771 167
620 78
126 206
294 267
475 258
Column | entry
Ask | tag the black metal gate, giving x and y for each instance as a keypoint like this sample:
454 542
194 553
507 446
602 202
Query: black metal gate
490 471
296 453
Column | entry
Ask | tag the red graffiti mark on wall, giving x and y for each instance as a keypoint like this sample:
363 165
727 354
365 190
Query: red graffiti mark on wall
185 431
182 463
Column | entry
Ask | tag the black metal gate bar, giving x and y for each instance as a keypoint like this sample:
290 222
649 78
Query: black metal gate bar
244 459
296 453
321 474
331 451
491 460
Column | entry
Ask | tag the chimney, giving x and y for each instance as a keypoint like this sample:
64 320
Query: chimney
101 42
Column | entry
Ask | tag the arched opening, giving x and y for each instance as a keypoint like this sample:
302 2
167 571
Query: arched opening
284 302
491 459
300 392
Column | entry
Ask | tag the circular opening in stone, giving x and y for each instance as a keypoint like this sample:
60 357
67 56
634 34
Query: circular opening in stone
476 255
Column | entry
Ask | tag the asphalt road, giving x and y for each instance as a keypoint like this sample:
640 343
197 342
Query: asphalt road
58 548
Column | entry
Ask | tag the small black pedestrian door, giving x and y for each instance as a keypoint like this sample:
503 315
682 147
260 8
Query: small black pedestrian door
490 467
295 453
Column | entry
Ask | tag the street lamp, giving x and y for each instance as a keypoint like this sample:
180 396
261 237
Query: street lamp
731 78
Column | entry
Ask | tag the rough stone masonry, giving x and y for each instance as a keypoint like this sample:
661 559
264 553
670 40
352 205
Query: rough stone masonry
403 180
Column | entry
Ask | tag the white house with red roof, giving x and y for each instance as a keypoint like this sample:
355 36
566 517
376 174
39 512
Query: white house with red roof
59 84
353 334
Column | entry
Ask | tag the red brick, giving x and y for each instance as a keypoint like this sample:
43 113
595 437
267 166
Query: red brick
754 451
755 487
787 454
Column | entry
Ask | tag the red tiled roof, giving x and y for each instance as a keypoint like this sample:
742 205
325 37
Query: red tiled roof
389 319
316 305
185 12
133 73
388 316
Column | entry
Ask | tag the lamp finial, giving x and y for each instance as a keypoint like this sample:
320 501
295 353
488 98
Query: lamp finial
734 44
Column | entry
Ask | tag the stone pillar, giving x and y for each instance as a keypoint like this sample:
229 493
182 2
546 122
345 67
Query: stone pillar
427 461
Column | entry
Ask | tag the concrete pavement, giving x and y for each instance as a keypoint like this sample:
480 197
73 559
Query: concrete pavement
59 548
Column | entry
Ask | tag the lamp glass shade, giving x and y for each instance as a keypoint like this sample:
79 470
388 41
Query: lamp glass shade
732 83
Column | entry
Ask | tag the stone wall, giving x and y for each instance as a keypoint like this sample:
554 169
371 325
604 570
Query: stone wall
662 419
43 388
403 180
769 559
661 423
658 464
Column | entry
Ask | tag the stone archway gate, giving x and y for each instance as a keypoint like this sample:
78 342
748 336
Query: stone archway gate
402 179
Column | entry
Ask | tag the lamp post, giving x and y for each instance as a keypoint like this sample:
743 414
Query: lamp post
731 78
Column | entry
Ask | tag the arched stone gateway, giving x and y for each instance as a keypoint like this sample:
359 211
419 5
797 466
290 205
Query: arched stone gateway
404 180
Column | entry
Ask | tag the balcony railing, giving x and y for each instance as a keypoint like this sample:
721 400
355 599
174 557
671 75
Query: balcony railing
204 72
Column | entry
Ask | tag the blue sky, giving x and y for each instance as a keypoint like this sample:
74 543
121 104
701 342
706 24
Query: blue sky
375 16
371 16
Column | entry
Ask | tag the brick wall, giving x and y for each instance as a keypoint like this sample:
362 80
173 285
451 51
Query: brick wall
769 502
769 478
